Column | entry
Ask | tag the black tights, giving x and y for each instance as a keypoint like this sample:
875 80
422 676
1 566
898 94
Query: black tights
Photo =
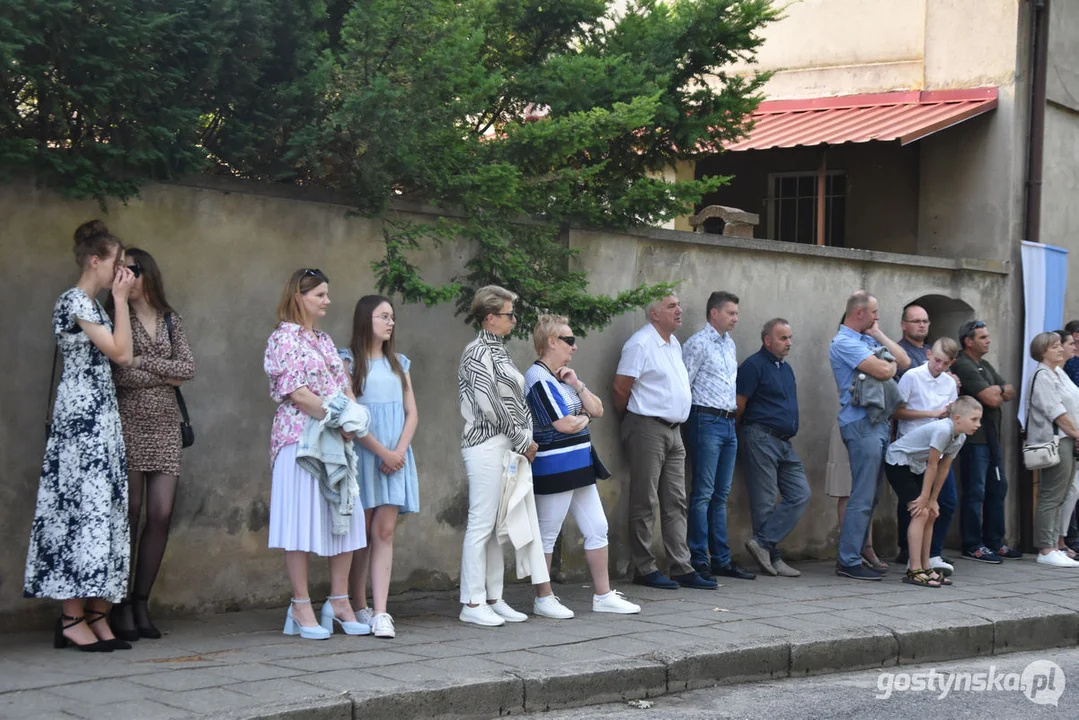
157 492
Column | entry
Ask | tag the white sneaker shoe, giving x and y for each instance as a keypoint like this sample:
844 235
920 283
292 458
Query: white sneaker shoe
504 611
1056 558
549 606
364 615
482 614
615 602
382 626
946 569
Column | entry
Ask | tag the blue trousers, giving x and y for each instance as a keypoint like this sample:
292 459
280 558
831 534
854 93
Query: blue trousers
984 487
866 444
713 447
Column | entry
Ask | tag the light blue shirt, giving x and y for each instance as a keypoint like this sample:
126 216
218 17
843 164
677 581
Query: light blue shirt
712 365
848 351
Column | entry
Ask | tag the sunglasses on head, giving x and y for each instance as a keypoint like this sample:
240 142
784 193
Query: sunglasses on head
315 273
969 328
568 339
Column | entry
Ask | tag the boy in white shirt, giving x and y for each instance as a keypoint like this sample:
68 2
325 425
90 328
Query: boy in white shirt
917 465
927 393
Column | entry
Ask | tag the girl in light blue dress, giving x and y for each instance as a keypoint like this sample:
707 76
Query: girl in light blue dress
387 476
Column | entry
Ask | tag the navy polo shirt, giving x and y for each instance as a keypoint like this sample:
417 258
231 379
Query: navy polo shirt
771 394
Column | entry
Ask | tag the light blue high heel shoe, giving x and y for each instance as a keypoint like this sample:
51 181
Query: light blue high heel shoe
329 618
293 627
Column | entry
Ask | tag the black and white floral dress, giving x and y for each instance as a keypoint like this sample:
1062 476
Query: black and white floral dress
79 544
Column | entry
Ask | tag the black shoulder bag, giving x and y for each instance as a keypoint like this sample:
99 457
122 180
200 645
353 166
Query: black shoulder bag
187 433
49 402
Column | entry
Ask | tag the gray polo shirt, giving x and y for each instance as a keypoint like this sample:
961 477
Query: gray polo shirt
912 449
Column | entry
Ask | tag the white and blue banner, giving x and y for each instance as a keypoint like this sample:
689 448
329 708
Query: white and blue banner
1045 277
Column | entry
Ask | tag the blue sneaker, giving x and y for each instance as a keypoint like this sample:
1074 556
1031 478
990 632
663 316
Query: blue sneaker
656 579
857 572
982 554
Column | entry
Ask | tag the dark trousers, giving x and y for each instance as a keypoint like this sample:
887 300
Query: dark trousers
947 499
984 487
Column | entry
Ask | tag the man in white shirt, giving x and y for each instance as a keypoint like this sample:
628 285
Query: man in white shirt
712 365
928 393
652 389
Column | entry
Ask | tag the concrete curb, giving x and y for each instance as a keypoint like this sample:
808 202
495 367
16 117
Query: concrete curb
670 671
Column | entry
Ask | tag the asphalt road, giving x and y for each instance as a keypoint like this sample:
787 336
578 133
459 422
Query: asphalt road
875 694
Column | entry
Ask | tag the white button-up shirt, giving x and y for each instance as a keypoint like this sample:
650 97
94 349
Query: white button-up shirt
662 386
919 390
712 365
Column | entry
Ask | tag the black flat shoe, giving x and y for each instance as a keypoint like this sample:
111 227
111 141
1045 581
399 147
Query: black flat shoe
61 641
695 581
115 643
704 571
120 624
149 630
734 570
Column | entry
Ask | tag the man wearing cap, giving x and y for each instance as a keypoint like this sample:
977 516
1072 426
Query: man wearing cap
981 470
768 407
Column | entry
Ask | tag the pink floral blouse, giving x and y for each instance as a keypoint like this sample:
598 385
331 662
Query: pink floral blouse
296 358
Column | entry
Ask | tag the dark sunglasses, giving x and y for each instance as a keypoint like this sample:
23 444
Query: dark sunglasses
568 339
315 273
135 269
969 328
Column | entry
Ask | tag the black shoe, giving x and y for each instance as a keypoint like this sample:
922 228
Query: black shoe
122 623
61 641
147 628
694 580
703 570
734 570
656 579
115 643
1009 552
857 572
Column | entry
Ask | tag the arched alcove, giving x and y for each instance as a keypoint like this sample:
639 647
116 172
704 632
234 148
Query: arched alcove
946 315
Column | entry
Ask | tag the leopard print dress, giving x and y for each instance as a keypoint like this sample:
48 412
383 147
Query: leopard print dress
148 409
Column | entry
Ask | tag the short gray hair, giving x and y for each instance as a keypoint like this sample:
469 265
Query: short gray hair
771 325
489 299
654 305
1041 344
857 301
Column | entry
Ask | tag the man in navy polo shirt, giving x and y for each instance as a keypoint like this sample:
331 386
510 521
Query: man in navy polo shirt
768 408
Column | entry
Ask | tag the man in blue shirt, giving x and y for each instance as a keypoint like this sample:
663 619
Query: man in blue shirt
851 355
768 407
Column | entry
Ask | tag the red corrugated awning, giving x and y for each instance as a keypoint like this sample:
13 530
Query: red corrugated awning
902 116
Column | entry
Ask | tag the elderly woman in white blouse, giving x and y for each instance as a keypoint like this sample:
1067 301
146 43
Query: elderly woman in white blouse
491 392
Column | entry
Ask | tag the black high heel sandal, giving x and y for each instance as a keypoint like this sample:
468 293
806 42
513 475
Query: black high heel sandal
149 631
115 643
118 622
61 641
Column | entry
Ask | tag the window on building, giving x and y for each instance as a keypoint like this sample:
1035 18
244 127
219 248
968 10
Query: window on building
792 207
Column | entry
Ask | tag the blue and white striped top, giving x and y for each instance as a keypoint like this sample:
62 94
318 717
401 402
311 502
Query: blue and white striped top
563 462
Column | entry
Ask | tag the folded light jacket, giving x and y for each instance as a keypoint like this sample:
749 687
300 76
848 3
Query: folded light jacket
880 398
517 522
332 460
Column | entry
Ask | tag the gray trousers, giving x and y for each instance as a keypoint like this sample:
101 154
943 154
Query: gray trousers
657 473
1052 489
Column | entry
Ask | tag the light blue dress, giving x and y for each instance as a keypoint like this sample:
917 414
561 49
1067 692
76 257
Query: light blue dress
384 398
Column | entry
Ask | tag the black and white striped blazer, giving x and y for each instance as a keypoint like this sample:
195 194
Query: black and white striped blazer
491 393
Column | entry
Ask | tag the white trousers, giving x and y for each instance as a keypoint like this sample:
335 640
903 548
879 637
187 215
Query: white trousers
587 511
482 563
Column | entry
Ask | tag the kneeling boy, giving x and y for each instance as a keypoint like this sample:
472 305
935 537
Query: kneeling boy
917 465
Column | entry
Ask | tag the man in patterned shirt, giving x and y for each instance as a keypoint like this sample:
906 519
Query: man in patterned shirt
712 365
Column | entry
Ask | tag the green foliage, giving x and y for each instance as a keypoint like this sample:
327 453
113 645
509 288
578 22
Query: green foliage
523 117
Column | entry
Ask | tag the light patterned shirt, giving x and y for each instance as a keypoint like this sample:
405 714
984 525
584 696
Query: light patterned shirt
712 364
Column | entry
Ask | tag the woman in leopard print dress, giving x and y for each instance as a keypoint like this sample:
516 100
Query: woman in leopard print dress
146 395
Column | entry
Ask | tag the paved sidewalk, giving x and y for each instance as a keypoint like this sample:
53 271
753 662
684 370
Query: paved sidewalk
239 665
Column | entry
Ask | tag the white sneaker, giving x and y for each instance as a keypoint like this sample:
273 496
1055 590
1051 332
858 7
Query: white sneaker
364 615
482 614
946 569
382 626
615 602
504 611
1056 559
549 606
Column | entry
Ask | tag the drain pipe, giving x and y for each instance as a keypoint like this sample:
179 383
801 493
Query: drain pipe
1039 56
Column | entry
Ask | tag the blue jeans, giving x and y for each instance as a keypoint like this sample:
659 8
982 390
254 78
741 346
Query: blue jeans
947 499
713 447
772 467
866 444
982 486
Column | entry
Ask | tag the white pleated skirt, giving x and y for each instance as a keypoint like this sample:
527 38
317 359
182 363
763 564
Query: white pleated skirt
300 517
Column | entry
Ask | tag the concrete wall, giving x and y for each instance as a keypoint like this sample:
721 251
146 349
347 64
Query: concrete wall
225 254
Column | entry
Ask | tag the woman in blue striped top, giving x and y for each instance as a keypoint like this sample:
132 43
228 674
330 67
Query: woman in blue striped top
566 467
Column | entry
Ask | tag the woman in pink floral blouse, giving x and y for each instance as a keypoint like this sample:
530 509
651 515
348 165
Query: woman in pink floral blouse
304 370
